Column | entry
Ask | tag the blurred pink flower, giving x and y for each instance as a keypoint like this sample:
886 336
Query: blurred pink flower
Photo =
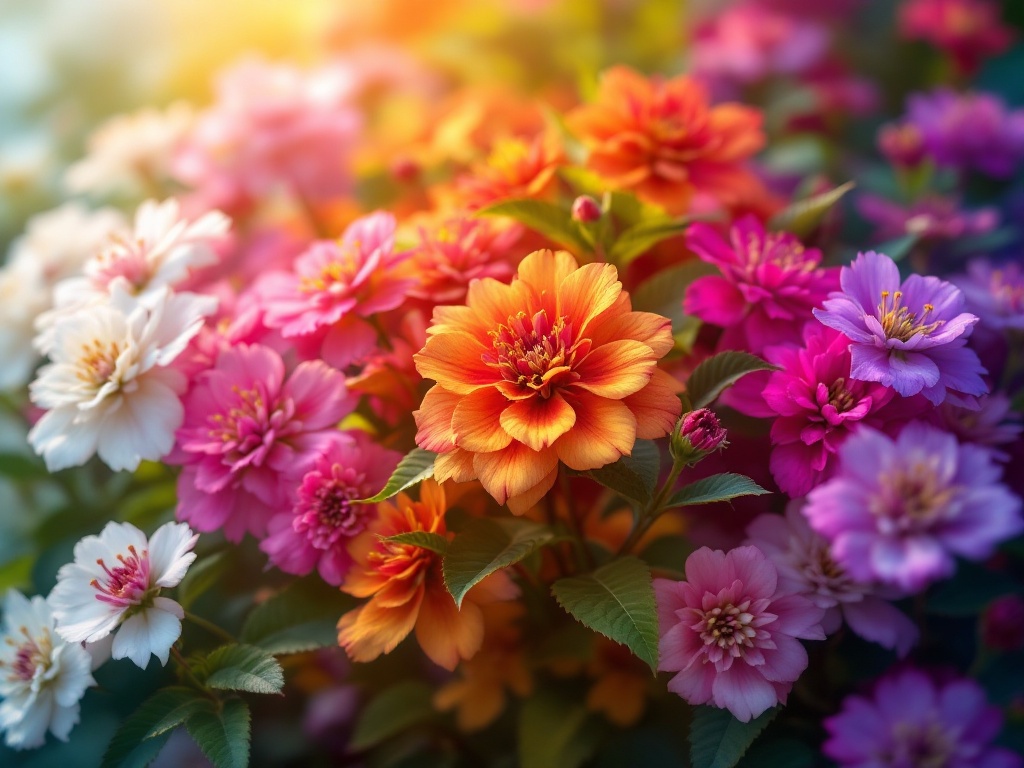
968 30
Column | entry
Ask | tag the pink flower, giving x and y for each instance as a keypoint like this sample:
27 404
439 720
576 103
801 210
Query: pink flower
249 435
768 286
968 30
316 532
731 633
334 286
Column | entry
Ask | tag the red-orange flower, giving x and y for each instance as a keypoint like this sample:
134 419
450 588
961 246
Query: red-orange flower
516 168
663 140
553 367
406 588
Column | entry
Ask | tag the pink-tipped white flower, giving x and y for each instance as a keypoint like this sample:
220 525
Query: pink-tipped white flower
109 387
42 677
115 583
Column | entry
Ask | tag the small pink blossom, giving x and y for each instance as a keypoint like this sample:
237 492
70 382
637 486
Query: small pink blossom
730 632
249 435
316 532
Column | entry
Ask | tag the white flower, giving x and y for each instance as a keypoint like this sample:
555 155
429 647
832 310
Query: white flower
23 296
42 677
115 581
109 388
132 152
60 241
160 252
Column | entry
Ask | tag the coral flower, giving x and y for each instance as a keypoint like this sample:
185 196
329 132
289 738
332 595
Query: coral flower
553 367
406 588
662 140
516 168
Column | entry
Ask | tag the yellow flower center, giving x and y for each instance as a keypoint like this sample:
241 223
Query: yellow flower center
899 322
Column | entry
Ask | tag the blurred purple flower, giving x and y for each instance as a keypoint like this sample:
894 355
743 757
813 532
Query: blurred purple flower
900 510
931 218
912 721
995 293
992 423
910 336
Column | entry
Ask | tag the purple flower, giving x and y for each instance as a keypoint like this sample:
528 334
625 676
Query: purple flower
971 131
995 293
900 510
930 218
992 423
1002 626
912 721
910 336
817 405
806 567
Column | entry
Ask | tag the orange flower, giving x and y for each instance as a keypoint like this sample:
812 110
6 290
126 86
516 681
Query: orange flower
554 367
406 588
662 140
621 683
516 168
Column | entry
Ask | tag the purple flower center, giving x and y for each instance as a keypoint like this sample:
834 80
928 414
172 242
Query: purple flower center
917 745
534 352
899 323
32 654
325 512
125 584
911 498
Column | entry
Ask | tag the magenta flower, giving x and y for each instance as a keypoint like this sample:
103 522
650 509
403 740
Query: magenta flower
817 405
334 286
769 284
806 566
250 434
316 532
900 510
730 632
910 336
911 720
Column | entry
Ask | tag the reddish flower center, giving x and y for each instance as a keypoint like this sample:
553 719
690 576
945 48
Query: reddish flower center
535 353
899 323
33 653
125 584
729 625
406 561
917 745
251 426
326 513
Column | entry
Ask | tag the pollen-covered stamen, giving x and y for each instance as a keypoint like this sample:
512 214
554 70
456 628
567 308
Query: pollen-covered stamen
125 584
251 425
912 497
97 362
336 276
899 323
34 654
839 397
729 625
536 353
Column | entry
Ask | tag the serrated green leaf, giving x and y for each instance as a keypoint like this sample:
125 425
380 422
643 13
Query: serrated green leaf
243 668
547 218
138 740
616 600
302 617
663 292
555 732
634 476
719 740
391 712
640 238
435 542
719 372
720 487
222 733
803 217
416 466
487 545
203 574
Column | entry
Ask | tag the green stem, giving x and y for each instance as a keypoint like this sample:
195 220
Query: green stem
584 555
210 627
653 510
183 665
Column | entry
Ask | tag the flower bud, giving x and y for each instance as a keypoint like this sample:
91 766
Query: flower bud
902 144
405 169
696 435
1002 625
585 209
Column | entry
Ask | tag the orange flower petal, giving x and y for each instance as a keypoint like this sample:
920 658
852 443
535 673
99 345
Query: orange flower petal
657 406
538 422
477 421
445 633
453 360
454 465
586 293
368 631
544 270
514 470
521 504
616 369
653 330
434 420
605 431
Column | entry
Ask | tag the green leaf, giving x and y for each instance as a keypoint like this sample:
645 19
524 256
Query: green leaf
634 476
555 732
21 466
302 617
487 545
391 712
721 487
243 668
668 553
417 466
146 507
719 740
719 372
784 753
435 542
803 217
547 218
203 574
137 741
223 734
899 248
663 292
639 239
616 600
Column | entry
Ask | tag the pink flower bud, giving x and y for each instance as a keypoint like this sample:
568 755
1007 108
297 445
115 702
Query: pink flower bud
1002 625
697 434
405 169
585 209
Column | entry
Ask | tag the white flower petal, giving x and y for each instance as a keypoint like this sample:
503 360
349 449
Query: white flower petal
170 553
